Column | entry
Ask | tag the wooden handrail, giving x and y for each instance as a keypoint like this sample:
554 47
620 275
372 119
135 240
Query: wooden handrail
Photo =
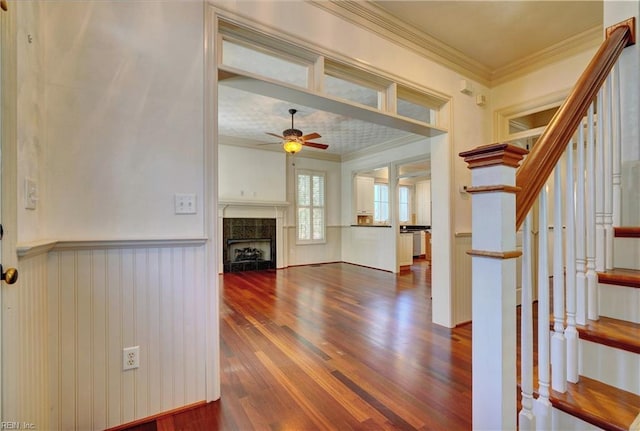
540 162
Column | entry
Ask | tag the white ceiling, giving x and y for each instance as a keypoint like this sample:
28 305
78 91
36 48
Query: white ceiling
479 34
478 28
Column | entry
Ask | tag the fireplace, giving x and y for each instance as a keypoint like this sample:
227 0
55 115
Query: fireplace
249 244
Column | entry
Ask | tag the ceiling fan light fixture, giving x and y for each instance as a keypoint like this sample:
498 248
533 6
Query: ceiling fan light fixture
292 145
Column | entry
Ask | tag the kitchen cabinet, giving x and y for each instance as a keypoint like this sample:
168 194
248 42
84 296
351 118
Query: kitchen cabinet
427 246
405 249
364 195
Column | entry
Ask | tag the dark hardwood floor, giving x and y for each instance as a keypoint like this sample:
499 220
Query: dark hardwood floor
334 347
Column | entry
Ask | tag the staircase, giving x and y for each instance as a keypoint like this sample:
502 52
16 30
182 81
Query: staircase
607 394
584 373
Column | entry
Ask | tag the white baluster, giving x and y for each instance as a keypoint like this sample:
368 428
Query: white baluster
599 183
608 176
558 342
617 169
527 420
581 277
571 334
590 222
543 405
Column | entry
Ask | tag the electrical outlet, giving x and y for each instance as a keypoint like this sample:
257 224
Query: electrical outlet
130 358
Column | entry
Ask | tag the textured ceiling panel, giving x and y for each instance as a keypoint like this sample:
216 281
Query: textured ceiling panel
250 116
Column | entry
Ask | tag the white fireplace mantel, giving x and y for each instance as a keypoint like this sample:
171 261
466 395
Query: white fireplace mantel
224 203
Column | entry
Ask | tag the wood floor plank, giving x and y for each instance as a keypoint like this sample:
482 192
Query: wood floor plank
374 324
336 347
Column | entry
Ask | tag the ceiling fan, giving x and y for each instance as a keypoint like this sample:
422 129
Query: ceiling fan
293 139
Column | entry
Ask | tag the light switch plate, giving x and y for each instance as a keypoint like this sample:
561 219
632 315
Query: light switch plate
30 194
185 203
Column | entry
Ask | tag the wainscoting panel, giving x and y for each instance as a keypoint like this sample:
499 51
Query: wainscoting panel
103 300
462 277
25 345
308 254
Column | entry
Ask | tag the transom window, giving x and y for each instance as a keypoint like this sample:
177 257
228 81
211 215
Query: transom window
260 56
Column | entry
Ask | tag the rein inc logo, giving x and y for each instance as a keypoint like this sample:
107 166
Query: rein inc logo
6 425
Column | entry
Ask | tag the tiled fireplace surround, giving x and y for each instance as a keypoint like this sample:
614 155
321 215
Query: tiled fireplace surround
248 233
252 220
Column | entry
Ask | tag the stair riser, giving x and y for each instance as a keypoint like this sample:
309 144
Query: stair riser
619 302
565 422
609 365
626 253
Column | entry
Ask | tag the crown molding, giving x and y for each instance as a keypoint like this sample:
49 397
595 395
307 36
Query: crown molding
377 20
589 39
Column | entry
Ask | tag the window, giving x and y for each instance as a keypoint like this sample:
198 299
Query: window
264 62
380 203
310 206
403 201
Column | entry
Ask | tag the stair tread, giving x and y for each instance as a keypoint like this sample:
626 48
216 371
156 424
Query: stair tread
627 231
599 404
616 333
621 277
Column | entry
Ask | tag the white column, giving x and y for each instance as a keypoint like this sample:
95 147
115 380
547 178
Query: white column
494 284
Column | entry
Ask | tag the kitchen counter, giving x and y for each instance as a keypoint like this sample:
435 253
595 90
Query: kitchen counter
370 225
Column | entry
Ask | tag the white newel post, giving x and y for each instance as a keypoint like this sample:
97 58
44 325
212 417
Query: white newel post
493 169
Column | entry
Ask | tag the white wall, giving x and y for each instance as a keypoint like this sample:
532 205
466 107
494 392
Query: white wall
614 12
124 118
251 174
31 141
110 123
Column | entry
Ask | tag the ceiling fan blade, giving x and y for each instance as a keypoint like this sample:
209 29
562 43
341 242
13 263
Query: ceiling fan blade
273 134
315 145
311 136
